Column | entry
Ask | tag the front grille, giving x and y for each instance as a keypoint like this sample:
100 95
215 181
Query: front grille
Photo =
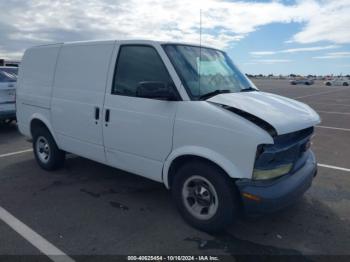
288 148
294 136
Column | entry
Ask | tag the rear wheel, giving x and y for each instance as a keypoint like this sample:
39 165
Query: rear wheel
328 84
205 196
46 152
345 84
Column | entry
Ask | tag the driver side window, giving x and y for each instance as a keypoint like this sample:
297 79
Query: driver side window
138 64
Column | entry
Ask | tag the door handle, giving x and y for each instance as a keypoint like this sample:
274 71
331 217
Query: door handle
97 113
107 115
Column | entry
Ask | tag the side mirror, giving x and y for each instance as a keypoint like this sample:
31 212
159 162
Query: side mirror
155 90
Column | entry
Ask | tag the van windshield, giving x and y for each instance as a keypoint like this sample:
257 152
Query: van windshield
206 72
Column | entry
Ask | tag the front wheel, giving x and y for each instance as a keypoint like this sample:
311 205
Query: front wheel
205 196
47 154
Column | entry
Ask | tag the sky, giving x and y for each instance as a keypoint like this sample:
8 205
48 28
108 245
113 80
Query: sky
279 37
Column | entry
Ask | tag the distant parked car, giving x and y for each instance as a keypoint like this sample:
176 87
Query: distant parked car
10 70
302 82
337 82
7 97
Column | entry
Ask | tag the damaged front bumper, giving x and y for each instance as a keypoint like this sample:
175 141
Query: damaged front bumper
266 196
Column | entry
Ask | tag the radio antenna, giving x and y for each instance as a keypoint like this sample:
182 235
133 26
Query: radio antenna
200 27
200 50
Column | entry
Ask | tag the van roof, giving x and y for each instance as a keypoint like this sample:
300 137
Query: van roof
134 41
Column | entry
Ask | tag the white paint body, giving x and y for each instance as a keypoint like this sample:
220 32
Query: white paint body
62 84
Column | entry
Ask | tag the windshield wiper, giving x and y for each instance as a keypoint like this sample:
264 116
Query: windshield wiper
214 93
248 89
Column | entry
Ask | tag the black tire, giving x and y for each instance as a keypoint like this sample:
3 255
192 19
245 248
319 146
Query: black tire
345 84
228 207
56 157
328 84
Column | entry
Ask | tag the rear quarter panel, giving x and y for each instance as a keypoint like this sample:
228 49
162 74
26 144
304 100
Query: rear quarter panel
34 86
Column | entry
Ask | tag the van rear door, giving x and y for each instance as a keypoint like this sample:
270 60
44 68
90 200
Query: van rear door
78 96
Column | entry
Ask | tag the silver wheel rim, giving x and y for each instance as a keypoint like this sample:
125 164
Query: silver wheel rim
43 149
200 197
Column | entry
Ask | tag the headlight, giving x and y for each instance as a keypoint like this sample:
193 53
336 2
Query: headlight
260 174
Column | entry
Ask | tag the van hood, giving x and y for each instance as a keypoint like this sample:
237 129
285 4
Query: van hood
284 114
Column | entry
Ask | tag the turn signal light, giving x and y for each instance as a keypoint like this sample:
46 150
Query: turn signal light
250 196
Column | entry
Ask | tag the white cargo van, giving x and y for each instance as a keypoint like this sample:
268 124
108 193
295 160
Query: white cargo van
179 114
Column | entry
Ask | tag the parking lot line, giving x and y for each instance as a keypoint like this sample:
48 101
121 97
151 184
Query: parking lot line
16 153
334 167
333 112
335 128
331 104
34 238
317 94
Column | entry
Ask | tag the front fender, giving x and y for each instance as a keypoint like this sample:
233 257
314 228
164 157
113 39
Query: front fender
227 165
